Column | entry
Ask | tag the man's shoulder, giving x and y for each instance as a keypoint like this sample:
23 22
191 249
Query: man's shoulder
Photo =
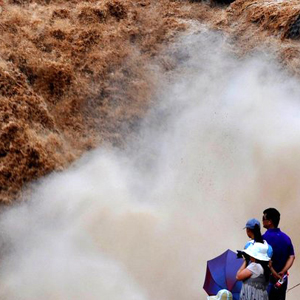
285 236
267 234
271 234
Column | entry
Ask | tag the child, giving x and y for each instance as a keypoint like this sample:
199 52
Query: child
222 295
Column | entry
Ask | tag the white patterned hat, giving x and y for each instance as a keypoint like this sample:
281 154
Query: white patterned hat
222 295
258 251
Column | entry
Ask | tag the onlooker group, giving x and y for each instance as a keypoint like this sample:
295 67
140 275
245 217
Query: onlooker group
267 258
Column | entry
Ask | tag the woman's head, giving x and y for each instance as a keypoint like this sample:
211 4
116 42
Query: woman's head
253 230
258 251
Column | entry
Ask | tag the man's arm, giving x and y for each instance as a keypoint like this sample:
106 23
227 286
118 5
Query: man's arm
273 272
287 266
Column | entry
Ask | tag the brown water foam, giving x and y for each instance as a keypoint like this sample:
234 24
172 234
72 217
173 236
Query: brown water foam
73 74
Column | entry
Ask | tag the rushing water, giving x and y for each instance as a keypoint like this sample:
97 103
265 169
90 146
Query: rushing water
221 145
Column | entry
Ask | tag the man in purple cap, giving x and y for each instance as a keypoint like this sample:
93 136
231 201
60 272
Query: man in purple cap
283 252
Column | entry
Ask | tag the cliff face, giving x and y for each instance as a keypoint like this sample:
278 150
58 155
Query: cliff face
75 74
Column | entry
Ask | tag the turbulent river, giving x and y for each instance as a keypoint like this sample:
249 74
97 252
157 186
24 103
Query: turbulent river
221 144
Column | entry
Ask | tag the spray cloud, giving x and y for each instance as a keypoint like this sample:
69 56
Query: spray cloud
221 145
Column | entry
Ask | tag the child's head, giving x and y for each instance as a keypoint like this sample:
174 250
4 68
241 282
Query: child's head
222 295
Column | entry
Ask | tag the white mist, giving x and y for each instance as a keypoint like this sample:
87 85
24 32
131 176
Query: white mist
221 145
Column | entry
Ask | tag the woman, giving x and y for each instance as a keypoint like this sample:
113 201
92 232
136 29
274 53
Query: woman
255 275
253 232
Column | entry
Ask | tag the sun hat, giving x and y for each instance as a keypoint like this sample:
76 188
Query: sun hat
258 251
222 295
270 249
251 223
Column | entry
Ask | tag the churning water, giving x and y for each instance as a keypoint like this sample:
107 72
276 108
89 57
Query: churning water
221 145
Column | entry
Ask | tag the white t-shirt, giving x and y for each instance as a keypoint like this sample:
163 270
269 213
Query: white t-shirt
255 269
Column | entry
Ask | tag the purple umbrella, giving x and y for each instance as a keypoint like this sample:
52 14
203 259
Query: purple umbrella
220 274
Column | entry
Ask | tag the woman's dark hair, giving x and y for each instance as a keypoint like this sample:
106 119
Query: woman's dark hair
265 265
257 234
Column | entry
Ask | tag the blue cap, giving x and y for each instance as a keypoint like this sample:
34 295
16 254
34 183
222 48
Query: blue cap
251 223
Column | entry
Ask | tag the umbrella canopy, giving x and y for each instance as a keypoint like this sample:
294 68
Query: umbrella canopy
220 274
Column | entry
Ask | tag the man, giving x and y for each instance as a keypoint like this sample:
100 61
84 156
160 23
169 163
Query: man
283 251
